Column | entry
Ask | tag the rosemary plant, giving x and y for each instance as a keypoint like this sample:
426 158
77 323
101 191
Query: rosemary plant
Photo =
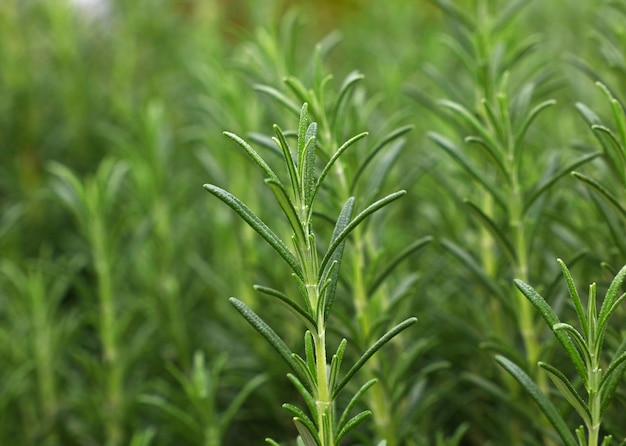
318 381
585 348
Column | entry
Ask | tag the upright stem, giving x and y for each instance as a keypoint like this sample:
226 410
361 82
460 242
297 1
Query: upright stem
323 395
108 332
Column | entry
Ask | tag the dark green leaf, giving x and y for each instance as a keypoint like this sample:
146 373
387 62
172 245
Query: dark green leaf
611 296
332 273
308 166
282 143
306 395
353 401
344 91
270 336
395 134
552 320
294 307
573 292
473 265
544 404
303 123
279 96
567 390
253 154
519 136
352 423
494 230
236 404
288 209
604 192
412 248
373 349
335 364
309 437
299 413
540 189
334 158
466 164
354 223
255 223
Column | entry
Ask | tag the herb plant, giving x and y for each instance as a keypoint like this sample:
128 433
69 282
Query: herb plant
318 382
585 349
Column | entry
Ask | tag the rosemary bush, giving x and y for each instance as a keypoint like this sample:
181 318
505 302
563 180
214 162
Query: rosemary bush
115 326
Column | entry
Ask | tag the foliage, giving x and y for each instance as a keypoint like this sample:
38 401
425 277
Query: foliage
502 120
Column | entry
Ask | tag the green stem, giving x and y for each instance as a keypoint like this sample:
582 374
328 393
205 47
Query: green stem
108 332
324 401
43 347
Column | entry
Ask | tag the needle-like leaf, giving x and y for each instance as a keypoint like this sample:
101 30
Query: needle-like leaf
257 224
544 403
373 349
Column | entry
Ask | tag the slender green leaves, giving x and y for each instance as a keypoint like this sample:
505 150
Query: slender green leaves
544 404
255 223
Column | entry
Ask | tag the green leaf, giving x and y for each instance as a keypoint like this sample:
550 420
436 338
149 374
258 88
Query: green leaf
588 115
309 437
309 352
612 378
335 364
472 120
282 143
373 349
288 209
257 224
573 292
618 115
519 136
405 253
291 305
270 336
299 413
332 273
611 297
583 347
466 164
354 223
253 154
604 192
351 424
540 189
271 442
306 395
395 134
473 265
497 124
236 404
174 412
279 96
552 320
353 401
308 167
567 390
302 133
453 11
508 12
298 88
303 367
346 88
333 159
614 150
492 152
494 230
544 404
